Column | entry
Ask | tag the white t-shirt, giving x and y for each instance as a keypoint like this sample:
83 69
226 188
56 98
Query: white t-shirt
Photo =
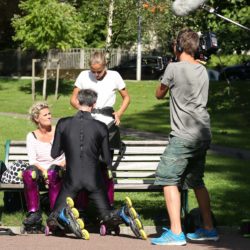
106 89
39 152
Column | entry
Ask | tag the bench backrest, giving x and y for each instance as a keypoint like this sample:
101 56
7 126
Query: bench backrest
136 169
133 170
15 150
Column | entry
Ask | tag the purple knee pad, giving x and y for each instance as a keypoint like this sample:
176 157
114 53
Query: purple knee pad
109 183
31 191
110 188
55 184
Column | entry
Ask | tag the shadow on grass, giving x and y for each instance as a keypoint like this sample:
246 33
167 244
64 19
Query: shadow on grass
230 195
8 79
224 98
64 89
150 120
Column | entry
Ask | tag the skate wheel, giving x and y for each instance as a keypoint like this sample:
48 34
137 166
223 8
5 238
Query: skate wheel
133 213
128 202
117 230
80 223
75 212
33 175
103 230
70 202
138 223
20 175
46 230
143 234
85 234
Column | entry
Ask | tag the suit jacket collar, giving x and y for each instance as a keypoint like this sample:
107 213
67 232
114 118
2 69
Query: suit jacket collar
83 115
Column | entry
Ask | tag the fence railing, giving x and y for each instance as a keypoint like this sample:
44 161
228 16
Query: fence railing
19 63
79 58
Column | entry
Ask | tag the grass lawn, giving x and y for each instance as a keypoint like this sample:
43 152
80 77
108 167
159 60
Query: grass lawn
226 178
230 111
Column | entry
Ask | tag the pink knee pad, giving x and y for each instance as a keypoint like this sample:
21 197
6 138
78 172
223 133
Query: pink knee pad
31 190
110 189
109 183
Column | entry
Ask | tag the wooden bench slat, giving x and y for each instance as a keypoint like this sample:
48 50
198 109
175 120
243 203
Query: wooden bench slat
11 186
138 166
127 187
18 157
133 174
18 150
146 143
133 181
140 158
140 150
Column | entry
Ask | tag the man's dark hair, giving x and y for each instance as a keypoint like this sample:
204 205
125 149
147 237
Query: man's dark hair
87 97
188 41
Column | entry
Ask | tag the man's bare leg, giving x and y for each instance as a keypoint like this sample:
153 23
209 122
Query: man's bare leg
173 204
203 199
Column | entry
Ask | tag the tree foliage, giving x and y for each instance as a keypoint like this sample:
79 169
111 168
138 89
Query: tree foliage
46 24
77 23
230 36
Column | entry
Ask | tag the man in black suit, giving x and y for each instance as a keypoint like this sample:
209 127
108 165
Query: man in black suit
83 140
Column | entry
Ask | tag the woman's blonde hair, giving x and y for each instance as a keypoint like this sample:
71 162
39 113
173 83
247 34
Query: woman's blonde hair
98 58
35 109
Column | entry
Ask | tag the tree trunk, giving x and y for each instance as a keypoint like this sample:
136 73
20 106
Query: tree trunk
109 29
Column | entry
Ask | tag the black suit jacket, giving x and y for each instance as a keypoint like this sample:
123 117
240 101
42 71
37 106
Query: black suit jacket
83 140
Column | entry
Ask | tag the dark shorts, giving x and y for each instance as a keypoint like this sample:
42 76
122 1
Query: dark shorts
182 163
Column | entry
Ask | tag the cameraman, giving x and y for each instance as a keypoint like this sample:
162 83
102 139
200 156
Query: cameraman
183 161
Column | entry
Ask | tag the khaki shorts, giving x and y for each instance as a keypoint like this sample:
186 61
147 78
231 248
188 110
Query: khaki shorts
182 163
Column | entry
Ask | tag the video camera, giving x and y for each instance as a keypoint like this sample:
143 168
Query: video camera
208 46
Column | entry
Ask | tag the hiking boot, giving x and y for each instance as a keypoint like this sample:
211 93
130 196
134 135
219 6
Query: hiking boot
169 238
203 235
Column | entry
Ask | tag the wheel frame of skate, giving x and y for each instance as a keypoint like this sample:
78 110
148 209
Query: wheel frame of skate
80 222
135 218
39 230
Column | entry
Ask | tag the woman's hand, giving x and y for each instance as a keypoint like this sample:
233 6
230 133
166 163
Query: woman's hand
117 116
62 164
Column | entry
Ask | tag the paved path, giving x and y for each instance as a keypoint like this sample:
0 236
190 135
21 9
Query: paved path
229 240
